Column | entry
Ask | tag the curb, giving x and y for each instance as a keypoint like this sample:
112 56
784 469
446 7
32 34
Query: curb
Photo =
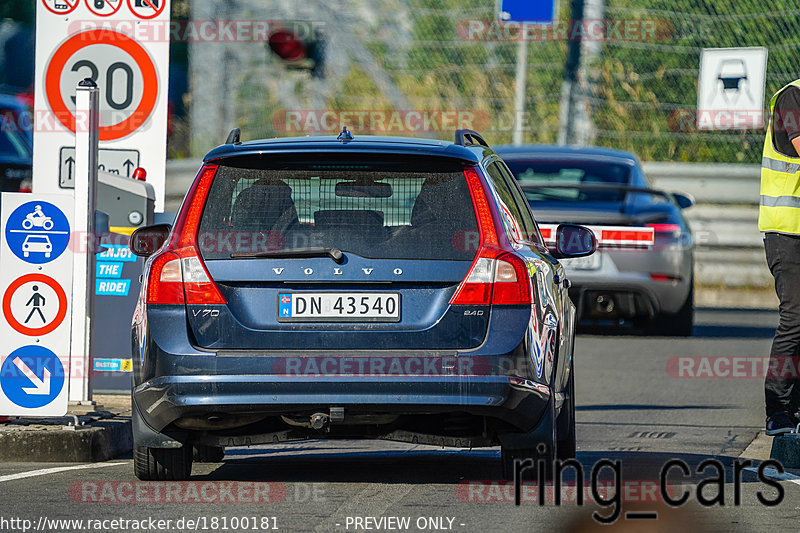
735 298
100 441
759 448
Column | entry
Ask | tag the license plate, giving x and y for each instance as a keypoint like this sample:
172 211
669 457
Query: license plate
338 307
590 262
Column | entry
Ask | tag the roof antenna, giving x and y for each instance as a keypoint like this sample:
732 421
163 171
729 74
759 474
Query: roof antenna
345 136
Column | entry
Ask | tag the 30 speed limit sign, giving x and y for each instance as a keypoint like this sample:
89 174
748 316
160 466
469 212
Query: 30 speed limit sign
108 42
121 67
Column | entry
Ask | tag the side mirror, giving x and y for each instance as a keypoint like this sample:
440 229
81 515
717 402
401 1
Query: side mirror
683 200
147 240
573 240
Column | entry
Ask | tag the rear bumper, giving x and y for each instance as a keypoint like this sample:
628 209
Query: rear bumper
631 298
162 401
626 276
174 380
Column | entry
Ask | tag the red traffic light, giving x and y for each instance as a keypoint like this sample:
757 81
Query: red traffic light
287 45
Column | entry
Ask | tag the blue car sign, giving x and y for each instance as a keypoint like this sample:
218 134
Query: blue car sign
37 232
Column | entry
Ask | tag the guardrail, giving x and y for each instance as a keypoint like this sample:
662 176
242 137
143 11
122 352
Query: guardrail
729 249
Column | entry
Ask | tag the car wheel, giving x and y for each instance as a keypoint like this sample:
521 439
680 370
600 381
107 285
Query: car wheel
566 447
208 454
162 464
678 324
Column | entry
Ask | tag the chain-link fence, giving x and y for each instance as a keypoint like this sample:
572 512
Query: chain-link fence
645 93
426 67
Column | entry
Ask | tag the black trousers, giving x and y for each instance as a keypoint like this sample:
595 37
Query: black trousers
782 389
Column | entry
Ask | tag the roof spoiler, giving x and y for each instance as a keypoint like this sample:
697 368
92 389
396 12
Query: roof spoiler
234 136
469 138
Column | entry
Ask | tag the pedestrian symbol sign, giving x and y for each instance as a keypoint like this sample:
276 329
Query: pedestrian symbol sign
32 377
35 304
37 300
37 232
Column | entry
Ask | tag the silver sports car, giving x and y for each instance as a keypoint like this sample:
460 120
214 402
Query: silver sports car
642 273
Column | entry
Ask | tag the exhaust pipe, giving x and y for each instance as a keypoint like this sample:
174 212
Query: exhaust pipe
604 303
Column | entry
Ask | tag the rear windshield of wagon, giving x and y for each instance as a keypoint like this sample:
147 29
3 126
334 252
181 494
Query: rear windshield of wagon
418 208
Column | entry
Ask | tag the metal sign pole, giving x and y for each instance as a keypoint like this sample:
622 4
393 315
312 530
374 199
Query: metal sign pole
87 136
519 92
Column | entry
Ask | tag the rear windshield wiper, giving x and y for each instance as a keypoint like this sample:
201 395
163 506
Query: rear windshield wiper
318 251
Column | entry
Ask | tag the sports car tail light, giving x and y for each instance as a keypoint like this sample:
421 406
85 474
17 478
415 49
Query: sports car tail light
665 277
496 276
178 274
673 230
611 237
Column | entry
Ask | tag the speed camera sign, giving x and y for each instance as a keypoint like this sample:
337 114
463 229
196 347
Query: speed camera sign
109 42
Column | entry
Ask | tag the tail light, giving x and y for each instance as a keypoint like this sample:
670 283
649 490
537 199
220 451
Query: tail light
673 230
496 276
665 277
25 186
178 274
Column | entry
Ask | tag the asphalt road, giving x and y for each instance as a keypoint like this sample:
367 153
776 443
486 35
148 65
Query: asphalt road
636 404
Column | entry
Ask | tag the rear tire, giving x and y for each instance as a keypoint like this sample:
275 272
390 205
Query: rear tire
208 454
566 447
162 464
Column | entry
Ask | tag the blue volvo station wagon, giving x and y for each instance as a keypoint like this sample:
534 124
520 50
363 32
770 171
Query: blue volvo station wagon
353 287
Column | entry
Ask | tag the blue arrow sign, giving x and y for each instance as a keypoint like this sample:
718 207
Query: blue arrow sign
32 376
527 10
37 232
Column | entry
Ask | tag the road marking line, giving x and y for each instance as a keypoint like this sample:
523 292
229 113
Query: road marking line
45 471
774 474
371 501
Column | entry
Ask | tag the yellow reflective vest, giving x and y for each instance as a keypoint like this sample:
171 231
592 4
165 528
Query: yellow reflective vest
779 208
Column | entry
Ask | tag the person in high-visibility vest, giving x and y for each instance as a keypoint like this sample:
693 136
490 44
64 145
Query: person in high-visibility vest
779 220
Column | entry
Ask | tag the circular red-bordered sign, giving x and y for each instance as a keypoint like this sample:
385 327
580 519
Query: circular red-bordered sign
71 5
109 3
149 5
38 278
58 62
